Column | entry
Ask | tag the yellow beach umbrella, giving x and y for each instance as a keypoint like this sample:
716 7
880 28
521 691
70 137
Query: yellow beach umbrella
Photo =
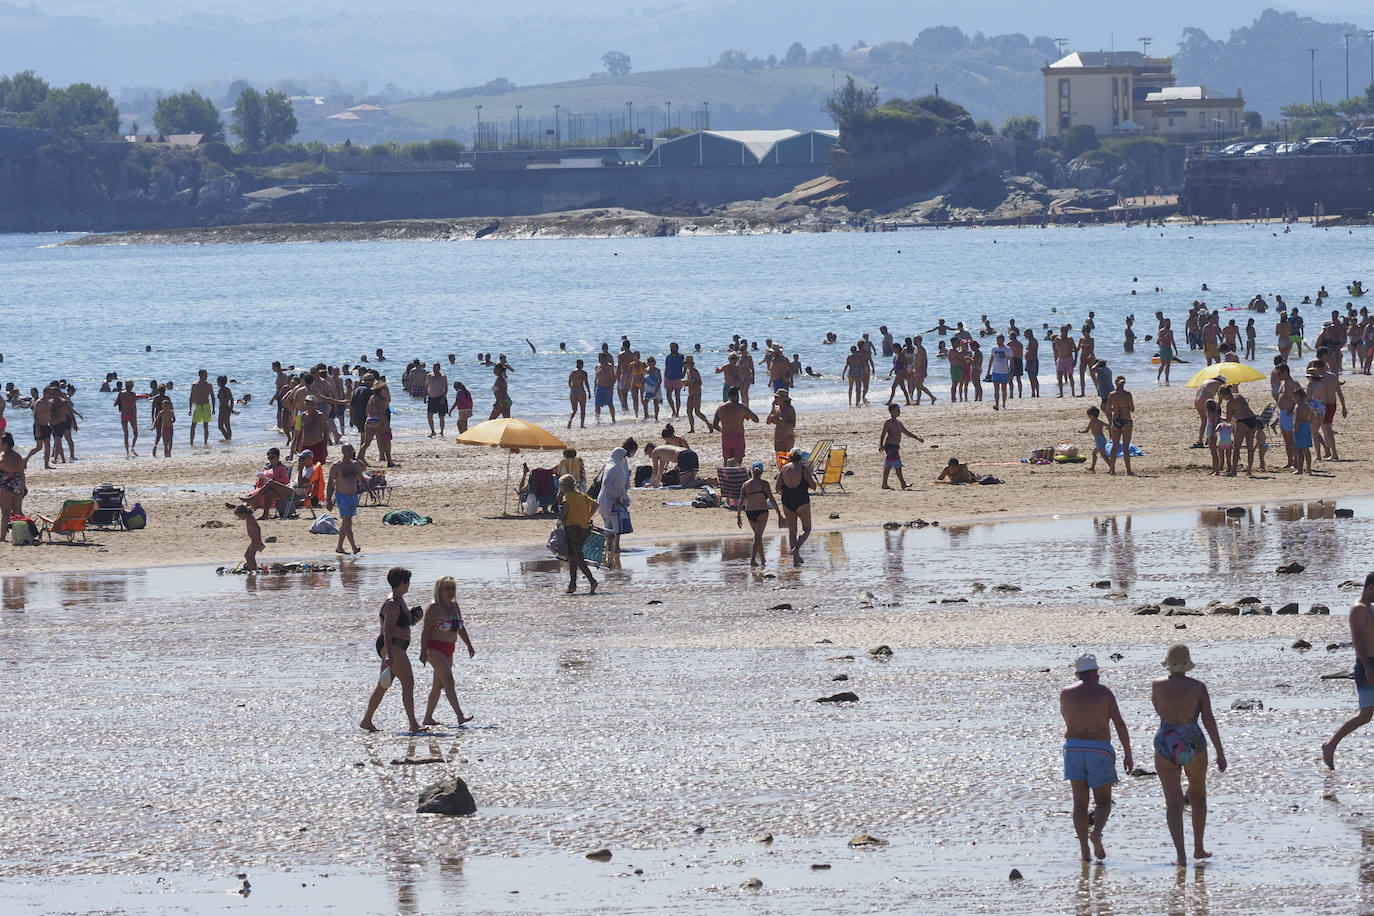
1235 374
512 435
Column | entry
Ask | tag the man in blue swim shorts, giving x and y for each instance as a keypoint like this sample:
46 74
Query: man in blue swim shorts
1362 634
1089 711
345 480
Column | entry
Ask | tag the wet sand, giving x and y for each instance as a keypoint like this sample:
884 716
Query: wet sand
189 727
461 486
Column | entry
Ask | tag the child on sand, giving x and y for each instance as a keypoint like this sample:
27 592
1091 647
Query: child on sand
250 556
1099 434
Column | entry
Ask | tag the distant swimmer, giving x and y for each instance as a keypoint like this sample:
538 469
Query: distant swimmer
532 348
1205 289
940 328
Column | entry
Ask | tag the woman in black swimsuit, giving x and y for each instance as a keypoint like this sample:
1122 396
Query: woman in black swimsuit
1245 424
392 643
795 484
755 498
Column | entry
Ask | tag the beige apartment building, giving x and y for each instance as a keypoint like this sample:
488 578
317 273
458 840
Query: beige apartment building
1126 92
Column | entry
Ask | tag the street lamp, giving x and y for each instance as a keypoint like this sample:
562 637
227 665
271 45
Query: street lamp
557 131
1347 65
1370 33
1313 52
670 117
517 125
629 118
477 141
707 105
1059 45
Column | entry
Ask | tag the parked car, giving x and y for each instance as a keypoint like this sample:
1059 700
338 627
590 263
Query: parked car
1286 149
1234 149
1260 150
1321 146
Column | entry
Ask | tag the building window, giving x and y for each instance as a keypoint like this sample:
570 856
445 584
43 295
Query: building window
1171 122
1064 121
1202 120
1063 89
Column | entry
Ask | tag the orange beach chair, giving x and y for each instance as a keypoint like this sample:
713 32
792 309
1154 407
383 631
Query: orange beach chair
70 521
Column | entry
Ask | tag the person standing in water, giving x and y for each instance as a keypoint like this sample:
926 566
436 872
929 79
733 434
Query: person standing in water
391 646
1181 747
1089 710
443 627
755 499
1362 635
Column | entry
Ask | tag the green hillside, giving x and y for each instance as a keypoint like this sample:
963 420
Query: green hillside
739 99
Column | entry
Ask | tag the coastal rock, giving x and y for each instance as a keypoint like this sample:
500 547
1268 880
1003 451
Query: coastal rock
1240 705
1146 609
1235 512
1319 609
1173 602
820 866
1290 568
1249 600
979 588
1015 875
1006 588
881 652
954 601
1226 609
1102 583
1337 646
840 658
751 884
1182 612
1289 608
447 796
891 525
845 696
781 607
1263 610
1114 595
1116 656
1301 644
599 855
865 840
1180 626
1339 676
1141 771
834 516
840 677
764 838
1345 513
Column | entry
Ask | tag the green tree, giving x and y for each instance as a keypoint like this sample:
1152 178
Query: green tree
247 120
850 105
80 105
796 55
1351 107
188 113
1021 128
23 92
1253 121
1078 140
278 118
616 63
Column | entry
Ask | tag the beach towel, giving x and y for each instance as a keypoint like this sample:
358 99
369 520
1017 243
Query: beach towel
406 517
325 524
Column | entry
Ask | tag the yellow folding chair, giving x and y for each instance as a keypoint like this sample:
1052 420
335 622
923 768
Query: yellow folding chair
834 468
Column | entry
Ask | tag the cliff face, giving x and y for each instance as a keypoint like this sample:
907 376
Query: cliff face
50 182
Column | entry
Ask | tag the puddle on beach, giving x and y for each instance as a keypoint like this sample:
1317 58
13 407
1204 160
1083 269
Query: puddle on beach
166 729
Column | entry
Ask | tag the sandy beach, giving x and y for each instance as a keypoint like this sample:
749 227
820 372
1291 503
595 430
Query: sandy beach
461 487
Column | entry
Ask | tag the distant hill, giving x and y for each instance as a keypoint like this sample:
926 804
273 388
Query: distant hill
738 99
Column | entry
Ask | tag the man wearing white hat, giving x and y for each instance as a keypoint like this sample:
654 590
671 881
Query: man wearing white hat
1089 711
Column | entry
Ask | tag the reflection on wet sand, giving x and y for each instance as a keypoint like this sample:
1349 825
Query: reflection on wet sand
1093 897
1188 896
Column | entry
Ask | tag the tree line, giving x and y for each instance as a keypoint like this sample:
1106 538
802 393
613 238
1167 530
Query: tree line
28 100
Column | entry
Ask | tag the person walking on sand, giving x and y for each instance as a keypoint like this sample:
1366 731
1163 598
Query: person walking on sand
1098 429
890 444
201 403
1120 407
1089 710
999 365
396 621
344 477
755 499
783 418
250 556
442 628
795 483
1362 635
729 422
1181 747
575 510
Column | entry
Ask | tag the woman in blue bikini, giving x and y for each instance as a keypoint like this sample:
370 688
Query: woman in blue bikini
1181 747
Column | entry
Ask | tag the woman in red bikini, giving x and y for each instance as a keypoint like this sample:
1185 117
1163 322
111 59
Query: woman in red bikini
443 627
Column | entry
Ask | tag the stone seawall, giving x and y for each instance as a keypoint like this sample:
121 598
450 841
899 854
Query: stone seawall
1339 183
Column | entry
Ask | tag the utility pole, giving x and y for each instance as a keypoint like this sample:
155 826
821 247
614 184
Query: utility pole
1059 44
557 130
477 140
1313 52
1347 65
670 115
708 114
1370 33
1145 46
517 125
630 118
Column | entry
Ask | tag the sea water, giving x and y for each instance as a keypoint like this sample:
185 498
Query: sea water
163 312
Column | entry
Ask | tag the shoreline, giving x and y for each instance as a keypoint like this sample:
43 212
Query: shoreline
461 487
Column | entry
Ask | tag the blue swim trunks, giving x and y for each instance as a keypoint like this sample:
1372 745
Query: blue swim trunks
603 396
1093 762
1363 687
1100 443
1000 378
347 503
